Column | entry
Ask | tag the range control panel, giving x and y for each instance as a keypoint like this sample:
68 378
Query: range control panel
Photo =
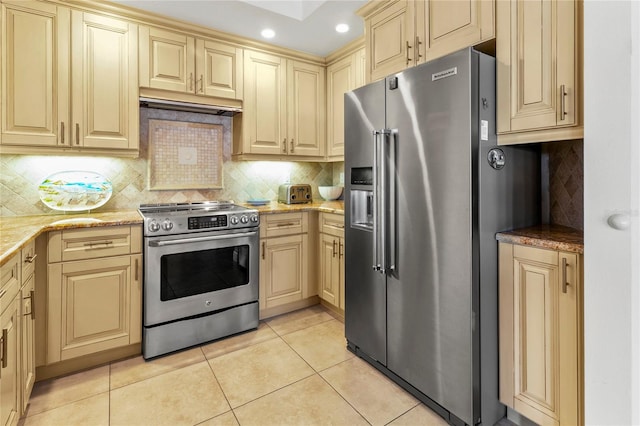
173 219
204 222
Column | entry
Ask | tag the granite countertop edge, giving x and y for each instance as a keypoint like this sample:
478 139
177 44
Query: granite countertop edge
336 206
18 231
554 237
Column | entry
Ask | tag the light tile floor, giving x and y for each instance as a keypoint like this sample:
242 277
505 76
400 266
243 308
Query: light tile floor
293 370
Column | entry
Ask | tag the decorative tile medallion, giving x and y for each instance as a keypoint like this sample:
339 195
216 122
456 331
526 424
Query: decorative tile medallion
185 155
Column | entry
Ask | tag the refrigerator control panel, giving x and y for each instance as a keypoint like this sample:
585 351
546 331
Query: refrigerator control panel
362 176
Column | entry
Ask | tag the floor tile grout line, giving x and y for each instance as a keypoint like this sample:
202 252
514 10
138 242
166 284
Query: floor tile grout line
65 405
343 397
221 390
396 418
306 327
274 391
241 348
418 402
324 310
299 355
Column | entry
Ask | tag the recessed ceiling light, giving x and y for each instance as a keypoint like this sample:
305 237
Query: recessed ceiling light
342 28
268 33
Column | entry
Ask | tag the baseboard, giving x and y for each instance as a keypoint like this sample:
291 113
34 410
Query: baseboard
86 362
289 307
334 311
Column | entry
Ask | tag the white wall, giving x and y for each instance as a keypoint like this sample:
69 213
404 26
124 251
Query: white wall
635 204
611 162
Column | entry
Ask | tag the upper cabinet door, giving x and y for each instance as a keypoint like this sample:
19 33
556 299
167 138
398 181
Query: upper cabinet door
35 74
306 109
218 70
537 55
390 34
167 60
264 110
341 78
104 82
444 26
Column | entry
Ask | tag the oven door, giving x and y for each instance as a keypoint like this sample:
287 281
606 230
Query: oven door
196 274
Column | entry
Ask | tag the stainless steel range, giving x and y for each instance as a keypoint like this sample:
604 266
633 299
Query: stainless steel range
200 273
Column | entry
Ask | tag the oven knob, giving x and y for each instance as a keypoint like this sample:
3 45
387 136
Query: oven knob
244 219
167 225
234 220
154 226
254 218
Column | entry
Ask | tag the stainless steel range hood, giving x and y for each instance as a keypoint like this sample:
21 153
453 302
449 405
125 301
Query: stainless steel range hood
225 111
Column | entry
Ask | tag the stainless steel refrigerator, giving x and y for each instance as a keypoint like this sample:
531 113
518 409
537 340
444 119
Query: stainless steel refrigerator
427 188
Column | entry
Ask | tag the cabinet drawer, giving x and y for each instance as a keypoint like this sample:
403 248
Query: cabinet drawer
547 256
9 281
91 243
277 225
28 260
332 224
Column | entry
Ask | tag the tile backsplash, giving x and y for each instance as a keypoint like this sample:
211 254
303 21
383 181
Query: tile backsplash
242 180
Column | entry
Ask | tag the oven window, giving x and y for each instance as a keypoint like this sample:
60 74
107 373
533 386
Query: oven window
197 272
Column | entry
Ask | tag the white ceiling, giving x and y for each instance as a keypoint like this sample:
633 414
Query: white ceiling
303 25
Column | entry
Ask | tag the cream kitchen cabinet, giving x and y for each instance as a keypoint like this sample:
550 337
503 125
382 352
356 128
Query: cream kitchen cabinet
343 76
94 291
539 71
389 32
10 353
27 325
35 74
403 33
17 342
284 108
444 26
69 81
181 63
331 268
284 261
540 294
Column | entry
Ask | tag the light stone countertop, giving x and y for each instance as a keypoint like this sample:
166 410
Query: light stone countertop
318 205
554 237
17 231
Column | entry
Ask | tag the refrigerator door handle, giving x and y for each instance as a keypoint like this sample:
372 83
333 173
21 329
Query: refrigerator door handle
381 200
376 138
384 255
389 198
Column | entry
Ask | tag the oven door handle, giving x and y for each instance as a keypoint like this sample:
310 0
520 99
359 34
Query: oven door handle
199 239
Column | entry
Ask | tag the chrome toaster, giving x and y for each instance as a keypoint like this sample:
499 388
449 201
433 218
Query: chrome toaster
294 194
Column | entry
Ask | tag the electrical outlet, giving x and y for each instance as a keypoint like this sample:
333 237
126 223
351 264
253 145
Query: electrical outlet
341 178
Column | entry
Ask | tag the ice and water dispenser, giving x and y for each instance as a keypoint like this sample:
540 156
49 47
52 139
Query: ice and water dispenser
362 198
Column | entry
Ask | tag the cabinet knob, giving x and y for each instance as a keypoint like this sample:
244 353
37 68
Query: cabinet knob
619 221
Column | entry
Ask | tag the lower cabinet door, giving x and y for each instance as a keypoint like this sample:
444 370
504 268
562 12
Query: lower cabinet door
341 280
330 269
90 306
283 270
9 408
28 367
541 348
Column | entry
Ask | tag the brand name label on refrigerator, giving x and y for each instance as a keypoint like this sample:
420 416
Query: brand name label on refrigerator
444 74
